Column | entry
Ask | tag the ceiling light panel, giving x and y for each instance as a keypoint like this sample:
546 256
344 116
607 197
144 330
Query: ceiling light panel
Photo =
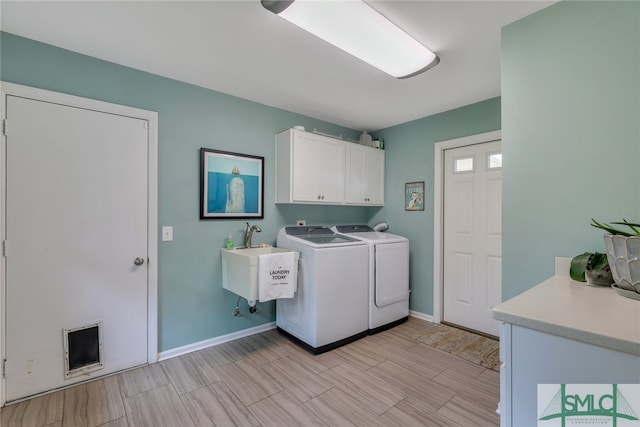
359 30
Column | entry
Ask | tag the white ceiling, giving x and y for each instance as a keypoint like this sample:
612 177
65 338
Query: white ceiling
240 48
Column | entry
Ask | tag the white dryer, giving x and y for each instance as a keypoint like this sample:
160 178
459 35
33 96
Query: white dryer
388 275
330 306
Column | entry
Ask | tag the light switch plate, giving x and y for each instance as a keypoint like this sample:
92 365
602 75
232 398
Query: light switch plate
167 233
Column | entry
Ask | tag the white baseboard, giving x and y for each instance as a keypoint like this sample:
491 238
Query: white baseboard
179 351
421 316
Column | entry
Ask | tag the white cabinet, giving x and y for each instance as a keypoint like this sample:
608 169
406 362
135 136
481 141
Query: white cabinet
504 406
563 332
531 357
364 175
309 168
317 169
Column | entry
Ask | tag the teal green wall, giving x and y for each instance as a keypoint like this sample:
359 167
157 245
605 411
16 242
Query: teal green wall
409 157
192 304
571 133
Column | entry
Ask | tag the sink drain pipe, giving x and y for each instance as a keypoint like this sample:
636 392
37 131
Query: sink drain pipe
252 307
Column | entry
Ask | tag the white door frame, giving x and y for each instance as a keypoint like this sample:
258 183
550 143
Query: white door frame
152 221
438 210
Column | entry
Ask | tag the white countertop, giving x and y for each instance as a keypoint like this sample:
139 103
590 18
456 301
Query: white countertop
593 314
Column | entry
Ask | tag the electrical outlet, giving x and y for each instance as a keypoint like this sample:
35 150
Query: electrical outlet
301 222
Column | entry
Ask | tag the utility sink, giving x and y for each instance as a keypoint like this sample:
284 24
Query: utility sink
240 269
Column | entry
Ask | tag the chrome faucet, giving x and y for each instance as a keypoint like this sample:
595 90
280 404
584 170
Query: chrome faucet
249 233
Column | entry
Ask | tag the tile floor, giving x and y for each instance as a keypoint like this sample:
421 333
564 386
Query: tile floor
386 379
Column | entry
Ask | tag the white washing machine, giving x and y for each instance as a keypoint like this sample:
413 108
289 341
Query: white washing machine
388 275
330 306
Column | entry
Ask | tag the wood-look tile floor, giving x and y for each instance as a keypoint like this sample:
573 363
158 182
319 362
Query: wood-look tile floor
386 379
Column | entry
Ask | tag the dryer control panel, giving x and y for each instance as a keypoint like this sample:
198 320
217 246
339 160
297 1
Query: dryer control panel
353 228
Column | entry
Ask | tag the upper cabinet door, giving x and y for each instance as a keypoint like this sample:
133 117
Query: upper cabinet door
306 185
309 168
331 169
365 175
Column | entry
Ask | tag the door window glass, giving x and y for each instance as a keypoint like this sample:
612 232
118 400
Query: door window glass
494 161
463 164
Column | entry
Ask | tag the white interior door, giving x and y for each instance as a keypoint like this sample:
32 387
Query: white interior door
76 220
472 258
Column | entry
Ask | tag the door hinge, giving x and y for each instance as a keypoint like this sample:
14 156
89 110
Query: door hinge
5 126
4 368
5 248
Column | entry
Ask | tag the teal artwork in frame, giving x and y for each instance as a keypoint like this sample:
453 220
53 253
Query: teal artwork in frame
231 185
414 196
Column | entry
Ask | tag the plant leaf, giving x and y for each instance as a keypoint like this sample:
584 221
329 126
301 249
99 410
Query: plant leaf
578 265
631 225
609 229
598 261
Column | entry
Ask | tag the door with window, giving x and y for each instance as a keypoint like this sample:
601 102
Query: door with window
76 244
472 258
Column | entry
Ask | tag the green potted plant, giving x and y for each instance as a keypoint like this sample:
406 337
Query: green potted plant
592 268
622 242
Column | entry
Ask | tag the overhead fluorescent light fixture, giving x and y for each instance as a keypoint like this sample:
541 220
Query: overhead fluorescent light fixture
359 30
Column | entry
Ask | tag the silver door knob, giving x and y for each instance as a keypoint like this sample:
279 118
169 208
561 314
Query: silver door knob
138 261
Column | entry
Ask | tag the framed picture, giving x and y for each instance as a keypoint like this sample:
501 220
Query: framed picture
231 185
414 196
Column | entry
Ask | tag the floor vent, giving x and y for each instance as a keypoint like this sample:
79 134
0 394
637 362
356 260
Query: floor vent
82 349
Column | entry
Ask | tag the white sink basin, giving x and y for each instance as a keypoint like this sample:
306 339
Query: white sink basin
240 269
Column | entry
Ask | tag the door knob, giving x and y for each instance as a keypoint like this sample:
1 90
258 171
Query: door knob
138 261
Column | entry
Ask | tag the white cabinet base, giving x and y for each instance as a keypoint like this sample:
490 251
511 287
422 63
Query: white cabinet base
531 357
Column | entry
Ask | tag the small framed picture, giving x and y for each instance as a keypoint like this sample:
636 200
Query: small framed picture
231 185
414 196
